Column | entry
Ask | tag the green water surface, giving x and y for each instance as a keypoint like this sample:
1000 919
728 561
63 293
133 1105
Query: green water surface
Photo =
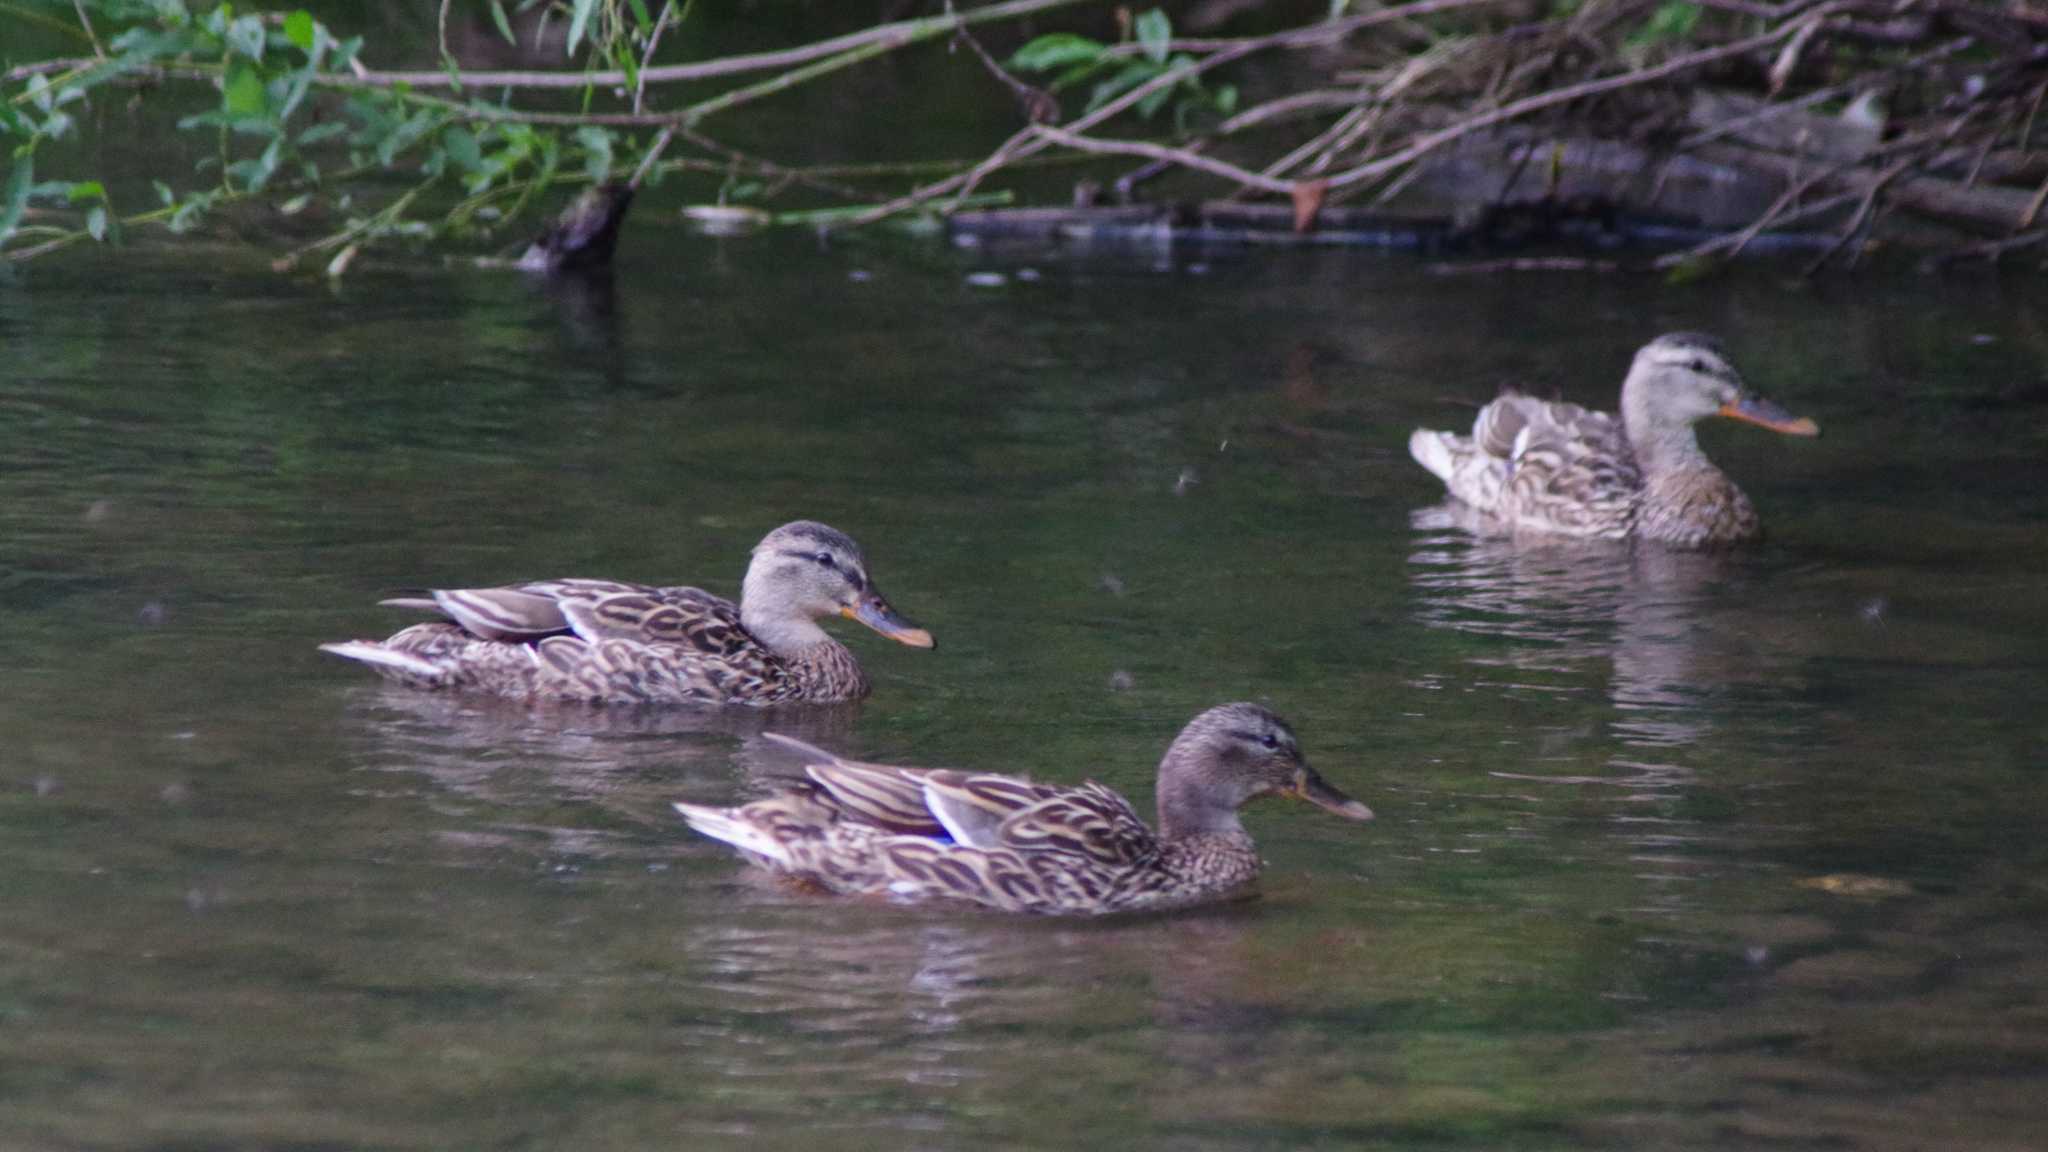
1671 853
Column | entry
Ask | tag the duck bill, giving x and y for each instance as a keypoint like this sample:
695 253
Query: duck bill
875 612
1317 791
1761 412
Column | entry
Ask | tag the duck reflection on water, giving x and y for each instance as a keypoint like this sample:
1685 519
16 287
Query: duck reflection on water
1646 666
628 761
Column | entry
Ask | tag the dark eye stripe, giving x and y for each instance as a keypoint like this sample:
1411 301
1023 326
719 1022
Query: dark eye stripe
825 559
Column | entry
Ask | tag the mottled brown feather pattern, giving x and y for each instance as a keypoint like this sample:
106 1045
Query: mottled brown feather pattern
646 645
876 829
1556 468
611 641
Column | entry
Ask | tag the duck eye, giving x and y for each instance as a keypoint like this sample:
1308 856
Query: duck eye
1270 740
825 558
1699 366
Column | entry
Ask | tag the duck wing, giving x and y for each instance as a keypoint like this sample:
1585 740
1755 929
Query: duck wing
877 795
1091 823
688 617
1568 469
516 613
964 807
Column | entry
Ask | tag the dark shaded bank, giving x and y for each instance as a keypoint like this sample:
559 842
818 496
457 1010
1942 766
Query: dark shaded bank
1860 121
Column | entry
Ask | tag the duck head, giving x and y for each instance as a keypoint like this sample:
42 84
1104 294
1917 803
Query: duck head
1229 756
804 571
1681 378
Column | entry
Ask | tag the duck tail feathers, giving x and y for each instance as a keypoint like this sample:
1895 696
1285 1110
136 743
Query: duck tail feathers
726 824
1436 451
378 656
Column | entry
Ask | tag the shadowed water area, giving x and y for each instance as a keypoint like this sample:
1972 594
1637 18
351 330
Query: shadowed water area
1672 852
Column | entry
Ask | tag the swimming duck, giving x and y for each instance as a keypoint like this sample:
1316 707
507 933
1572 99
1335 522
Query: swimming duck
605 641
1550 467
1019 846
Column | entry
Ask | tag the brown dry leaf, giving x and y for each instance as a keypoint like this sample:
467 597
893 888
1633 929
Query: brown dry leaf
1308 201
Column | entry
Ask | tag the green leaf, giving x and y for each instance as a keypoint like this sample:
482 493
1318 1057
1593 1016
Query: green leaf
190 212
11 121
96 222
597 152
245 35
321 132
85 190
242 93
1154 101
641 19
18 183
1670 23
269 160
504 25
299 29
1155 35
164 193
1225 98
1134 73
1056 50
579 19
462 148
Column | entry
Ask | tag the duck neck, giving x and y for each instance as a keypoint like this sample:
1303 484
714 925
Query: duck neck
1662 443
1186 814
787 634
768 613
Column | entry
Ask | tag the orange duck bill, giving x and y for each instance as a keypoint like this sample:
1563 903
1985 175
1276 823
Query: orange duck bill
875 612
1317 791
1762 412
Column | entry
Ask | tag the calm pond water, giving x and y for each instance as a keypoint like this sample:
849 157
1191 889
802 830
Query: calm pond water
1672 853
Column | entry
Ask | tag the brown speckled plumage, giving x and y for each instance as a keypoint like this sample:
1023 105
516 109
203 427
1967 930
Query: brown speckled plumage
606 641
1019 846
1559 469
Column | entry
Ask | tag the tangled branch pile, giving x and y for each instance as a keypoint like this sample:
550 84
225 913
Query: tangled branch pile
1736 115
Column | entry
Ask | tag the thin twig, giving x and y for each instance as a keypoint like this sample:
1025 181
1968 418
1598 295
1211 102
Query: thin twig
1991 250
1740 239
1025 144
85 22
654 151
668 9
1180 156
1858 218
810 178
1038 105
1430 142
888 37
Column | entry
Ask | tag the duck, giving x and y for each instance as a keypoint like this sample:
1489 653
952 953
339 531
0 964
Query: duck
611 642
1547 467
1008 843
